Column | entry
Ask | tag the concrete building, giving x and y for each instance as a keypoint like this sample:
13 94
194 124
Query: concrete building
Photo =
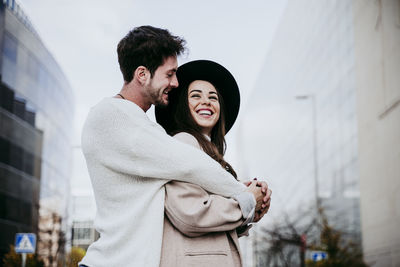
300 130
341 144
83 234
83 214
36 116
377 72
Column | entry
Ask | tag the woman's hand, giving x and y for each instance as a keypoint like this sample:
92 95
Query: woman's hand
264 190
259 214
260 211
257 193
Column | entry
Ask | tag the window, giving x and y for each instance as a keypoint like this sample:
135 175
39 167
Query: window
6 98
17 157
10 48
81 233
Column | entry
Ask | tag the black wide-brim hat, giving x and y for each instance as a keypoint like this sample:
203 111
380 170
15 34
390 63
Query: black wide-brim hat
205 70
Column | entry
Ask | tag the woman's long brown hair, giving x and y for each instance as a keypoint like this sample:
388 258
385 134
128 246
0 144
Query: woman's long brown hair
184 122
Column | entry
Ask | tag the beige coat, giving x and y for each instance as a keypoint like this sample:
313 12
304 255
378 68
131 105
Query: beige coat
200 229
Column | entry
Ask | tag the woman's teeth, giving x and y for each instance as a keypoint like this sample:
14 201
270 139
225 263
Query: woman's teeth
205 112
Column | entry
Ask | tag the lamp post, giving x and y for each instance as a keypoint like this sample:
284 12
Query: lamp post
315 151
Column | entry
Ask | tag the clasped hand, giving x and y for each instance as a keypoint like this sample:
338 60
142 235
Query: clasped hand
262 195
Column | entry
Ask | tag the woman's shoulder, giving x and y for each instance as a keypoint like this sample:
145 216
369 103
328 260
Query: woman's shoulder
187 138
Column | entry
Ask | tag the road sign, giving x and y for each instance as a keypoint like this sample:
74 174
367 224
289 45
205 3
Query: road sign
319 255
25 243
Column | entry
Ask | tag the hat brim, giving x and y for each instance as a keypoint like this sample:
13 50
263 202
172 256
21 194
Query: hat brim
205 70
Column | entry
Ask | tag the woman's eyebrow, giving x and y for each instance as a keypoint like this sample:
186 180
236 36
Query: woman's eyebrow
195 90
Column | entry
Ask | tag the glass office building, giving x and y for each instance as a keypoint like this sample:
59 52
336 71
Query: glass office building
300 130
36 120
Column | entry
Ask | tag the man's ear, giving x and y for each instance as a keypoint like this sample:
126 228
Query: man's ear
141 74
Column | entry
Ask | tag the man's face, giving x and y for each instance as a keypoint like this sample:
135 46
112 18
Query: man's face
162 82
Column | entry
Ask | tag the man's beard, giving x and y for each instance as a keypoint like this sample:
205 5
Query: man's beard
157 96
159 101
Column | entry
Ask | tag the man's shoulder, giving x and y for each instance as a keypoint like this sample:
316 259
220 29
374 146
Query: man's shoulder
115 107
104 105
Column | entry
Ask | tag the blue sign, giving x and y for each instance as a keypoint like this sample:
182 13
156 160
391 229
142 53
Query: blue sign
25 243
319 255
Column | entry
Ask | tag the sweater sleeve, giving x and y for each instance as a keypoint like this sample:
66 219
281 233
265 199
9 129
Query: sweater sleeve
245 199
133 145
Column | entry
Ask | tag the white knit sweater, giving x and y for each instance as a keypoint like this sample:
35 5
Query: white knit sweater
129 159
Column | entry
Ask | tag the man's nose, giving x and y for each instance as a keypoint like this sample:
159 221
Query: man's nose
174 82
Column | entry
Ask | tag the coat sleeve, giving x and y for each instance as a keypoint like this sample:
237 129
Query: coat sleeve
138 147
195 212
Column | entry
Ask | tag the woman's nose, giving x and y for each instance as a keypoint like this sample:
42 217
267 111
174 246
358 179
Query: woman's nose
205 100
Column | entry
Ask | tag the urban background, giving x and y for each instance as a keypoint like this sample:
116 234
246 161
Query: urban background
319 120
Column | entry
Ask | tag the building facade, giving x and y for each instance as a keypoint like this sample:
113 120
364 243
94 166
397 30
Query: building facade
83 234
377 61
83 213
300 130
36 118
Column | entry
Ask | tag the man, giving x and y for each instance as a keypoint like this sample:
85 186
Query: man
130 158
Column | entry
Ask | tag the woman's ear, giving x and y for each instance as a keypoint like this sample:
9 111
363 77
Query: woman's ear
141 74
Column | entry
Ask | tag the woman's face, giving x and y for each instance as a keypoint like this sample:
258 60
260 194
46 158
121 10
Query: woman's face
204 105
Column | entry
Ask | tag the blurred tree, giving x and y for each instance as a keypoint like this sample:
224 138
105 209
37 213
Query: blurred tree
13 259
51 240
285 244
75 256
340 253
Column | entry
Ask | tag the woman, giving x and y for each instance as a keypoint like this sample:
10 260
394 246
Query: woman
201 229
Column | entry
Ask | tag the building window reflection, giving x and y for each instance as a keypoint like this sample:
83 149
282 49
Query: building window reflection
35 132
10 48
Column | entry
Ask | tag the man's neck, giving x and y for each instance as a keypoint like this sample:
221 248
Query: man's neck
133 92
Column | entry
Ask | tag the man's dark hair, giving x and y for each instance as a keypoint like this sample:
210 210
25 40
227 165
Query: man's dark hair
147 46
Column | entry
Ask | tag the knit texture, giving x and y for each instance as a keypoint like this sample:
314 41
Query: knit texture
129 159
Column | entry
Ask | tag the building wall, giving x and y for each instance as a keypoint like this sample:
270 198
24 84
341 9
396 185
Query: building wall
83 234
2 17
36 116
312 53
83 213
20 167
377 68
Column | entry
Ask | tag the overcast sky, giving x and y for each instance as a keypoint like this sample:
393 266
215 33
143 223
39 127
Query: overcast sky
83 35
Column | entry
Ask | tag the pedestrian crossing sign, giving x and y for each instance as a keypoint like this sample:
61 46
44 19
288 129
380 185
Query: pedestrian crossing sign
25 243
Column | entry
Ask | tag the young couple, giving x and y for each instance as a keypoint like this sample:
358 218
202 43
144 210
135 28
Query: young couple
163 200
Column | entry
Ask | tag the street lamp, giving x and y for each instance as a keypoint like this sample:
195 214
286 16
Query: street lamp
315 152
